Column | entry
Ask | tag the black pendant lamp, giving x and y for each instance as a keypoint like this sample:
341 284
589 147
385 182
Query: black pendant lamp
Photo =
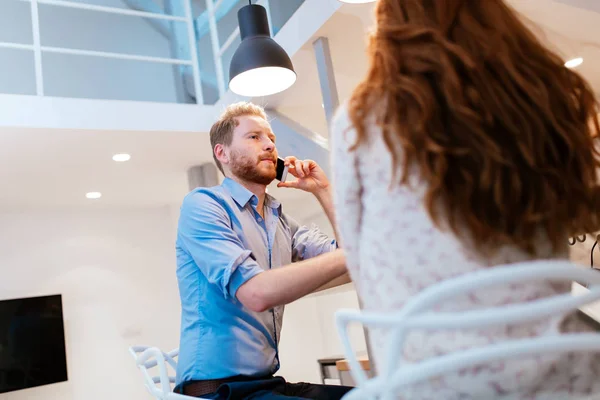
260 66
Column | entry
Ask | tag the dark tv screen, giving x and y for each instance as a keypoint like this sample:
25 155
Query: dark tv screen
32 343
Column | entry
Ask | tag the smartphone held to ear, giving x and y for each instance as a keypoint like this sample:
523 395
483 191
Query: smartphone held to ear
282 170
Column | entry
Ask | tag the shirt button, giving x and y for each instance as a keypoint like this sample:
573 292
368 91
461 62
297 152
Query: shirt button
259 219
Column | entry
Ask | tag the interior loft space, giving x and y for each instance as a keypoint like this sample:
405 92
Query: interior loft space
106 108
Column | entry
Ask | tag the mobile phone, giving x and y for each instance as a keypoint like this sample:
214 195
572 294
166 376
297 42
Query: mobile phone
282 170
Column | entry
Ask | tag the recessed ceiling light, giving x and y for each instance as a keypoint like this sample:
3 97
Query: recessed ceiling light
575 62
121 157
93 195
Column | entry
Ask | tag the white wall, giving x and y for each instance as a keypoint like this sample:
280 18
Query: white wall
309 333
116 273
83 76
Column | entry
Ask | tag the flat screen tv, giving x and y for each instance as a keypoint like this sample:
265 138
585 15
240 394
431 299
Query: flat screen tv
32 343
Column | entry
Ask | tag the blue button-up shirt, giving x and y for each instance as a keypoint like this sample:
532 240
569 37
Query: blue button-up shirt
222 242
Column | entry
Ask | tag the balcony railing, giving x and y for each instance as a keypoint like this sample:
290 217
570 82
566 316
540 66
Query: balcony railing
191 58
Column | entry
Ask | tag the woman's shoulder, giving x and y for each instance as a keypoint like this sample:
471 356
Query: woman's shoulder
341 119
343 133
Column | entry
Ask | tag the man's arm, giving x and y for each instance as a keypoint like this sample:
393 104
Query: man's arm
311 178
205 232
325 198
342 280
285 285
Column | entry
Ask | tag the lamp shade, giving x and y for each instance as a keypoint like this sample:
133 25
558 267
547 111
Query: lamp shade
260 66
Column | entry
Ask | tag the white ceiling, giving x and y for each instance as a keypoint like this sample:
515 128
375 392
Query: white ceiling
57 168
346 32
570 27
52 168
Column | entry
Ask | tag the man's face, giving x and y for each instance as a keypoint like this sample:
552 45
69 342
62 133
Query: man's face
252 153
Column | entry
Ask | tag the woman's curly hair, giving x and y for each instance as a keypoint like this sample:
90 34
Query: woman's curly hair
500 131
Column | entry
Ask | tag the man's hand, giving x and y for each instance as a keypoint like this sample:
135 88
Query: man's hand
312 179
309 176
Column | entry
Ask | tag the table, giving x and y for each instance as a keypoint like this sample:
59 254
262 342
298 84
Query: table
343 367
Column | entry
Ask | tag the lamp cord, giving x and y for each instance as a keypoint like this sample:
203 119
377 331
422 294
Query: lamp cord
250 2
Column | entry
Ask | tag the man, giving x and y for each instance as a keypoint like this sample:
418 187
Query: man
232 240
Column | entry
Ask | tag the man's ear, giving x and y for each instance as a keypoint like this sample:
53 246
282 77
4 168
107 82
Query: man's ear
221 154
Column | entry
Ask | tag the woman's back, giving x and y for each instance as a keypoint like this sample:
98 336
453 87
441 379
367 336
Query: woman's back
467 145
395 251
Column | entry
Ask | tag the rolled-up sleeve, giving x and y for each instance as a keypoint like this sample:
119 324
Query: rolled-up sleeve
308 242
205 233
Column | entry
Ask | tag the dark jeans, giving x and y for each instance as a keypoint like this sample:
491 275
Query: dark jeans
276 388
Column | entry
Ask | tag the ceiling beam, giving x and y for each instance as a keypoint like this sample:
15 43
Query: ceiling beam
222 8
329 91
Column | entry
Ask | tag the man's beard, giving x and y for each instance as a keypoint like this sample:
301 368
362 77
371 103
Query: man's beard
248 170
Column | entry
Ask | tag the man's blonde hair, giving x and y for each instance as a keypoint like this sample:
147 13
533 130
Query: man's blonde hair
222 131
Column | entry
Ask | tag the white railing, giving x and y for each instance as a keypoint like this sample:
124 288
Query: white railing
214 35
207 23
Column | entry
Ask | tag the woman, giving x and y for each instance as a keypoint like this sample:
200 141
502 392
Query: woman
467 145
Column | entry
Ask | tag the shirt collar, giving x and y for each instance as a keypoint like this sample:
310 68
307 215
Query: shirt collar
243 196
273 203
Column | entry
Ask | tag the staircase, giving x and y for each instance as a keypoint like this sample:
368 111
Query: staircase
139 50
126 65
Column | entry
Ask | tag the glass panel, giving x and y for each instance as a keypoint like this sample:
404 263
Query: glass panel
105 3
15 22
155 6
227 20
90 30
102 78
207 70
227 57
18 72
173 7
198 7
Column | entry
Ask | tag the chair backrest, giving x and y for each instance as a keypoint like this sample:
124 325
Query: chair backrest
148 360
417 314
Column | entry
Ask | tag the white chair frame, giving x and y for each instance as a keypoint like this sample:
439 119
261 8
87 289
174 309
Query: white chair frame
395 373
146 358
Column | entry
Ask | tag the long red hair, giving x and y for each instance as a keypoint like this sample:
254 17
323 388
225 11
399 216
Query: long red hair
499 130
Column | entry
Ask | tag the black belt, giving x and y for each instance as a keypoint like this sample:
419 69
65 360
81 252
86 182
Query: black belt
204 387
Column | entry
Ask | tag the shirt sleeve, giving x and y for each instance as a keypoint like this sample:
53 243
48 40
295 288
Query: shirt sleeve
308 242
205 233
347 188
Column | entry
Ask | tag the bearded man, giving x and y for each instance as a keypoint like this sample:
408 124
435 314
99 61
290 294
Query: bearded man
240 259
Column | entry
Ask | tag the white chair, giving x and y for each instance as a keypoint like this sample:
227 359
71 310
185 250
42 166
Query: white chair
159 385
395 373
